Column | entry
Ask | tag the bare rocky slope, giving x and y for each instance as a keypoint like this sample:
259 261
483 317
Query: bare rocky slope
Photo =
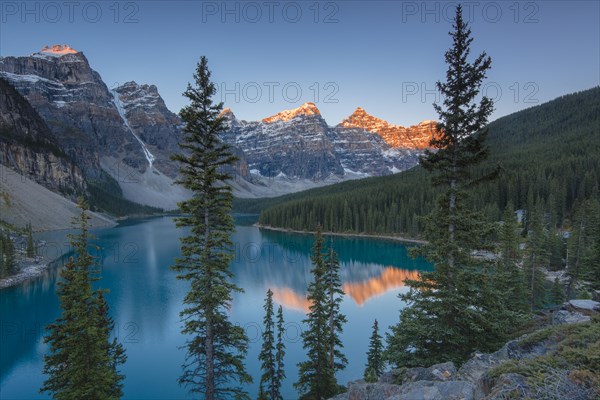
556 362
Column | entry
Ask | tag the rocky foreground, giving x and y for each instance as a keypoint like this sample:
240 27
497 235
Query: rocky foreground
557 362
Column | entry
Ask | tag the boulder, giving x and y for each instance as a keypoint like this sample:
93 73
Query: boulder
588 305
568 317
434 390
438 372
359 390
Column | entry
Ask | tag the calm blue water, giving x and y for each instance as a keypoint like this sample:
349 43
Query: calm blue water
145 300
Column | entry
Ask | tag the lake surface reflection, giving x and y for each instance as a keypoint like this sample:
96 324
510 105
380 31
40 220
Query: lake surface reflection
145 300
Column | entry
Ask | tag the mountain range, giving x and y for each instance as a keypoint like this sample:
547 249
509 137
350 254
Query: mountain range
119 140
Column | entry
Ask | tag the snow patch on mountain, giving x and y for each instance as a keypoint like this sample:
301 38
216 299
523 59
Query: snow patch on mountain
149 157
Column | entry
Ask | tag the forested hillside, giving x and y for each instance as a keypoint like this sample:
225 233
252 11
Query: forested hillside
548 155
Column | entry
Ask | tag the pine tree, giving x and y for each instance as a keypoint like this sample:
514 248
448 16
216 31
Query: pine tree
374 367
3 270
10 263
536 257
450 311
82 362
511 279
279 353
216 348
268 387
316 378
557 295
336 320
115 352
30 245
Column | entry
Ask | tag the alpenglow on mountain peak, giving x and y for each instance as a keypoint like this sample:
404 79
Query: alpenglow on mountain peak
305 109
58 49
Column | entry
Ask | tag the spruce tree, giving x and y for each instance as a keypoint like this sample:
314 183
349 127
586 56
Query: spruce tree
557 295
82 362
30 245
335 319
511 279
216 348
316 378
451 311
375 363
535 258
279 353
268 380
3 271
10 262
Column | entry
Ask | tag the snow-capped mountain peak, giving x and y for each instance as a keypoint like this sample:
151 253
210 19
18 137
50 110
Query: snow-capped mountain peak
286 115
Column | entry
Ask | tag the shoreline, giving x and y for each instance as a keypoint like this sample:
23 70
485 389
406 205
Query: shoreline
26 273
361 235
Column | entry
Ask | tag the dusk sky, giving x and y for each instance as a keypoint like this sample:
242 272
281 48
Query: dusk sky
384 56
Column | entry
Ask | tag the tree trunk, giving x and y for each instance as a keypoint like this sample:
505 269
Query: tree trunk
209 344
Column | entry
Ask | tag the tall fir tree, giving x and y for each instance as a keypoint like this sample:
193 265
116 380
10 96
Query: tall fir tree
375 362
453 310
511 279
3 271
557 294
10 262
280 353
535 258
316 377
30 251
216 348
593 273
82 361
335 319
582 264
268 381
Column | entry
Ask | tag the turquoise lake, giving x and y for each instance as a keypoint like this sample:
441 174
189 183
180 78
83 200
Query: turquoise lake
145 299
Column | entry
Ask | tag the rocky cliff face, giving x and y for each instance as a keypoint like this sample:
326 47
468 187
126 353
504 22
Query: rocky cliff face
157 128
28 147
291 144
76 104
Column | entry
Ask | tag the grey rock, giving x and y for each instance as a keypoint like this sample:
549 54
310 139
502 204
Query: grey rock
589 305
371 391
439 372
567 317
431 390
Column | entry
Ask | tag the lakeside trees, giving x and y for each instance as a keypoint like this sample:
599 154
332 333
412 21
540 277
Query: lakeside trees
216 348
375 361
83 362
272 353
324 323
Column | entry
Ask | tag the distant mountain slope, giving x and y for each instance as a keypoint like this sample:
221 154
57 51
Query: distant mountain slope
548 153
